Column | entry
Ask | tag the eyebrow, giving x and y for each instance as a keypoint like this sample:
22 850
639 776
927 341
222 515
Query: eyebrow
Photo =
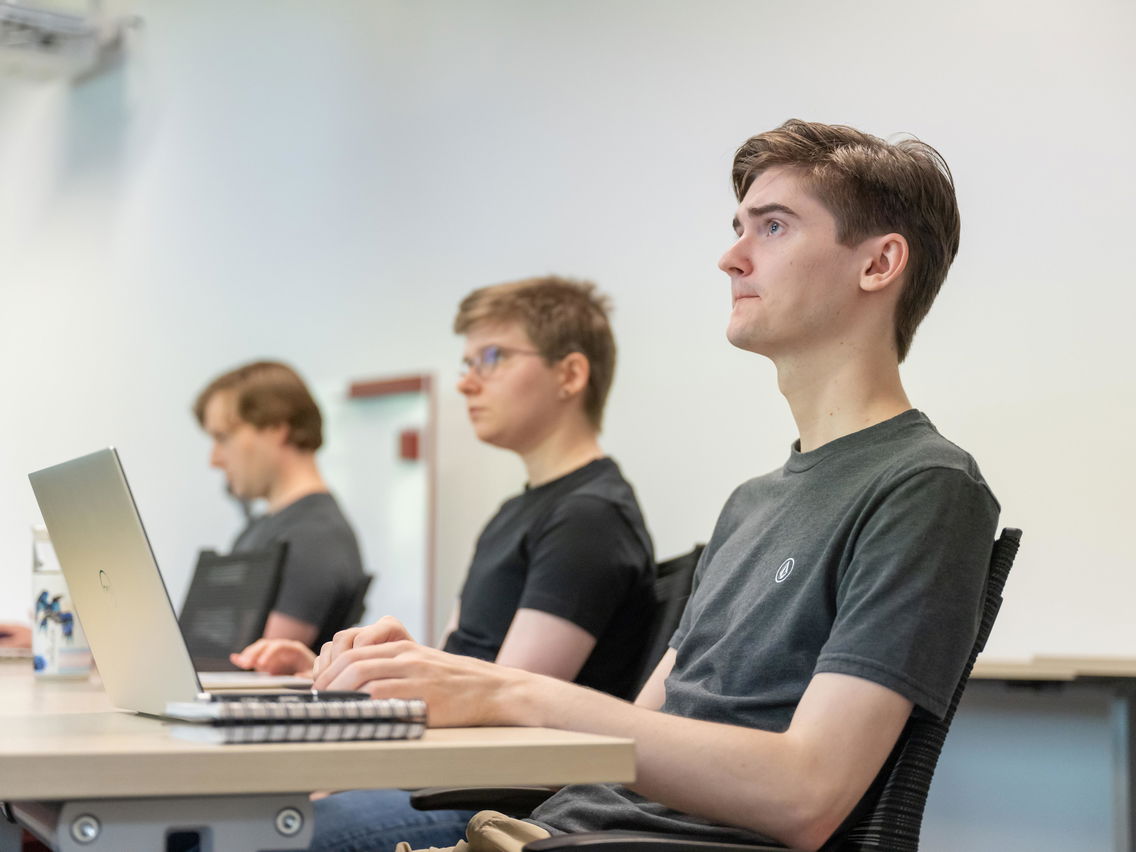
758 212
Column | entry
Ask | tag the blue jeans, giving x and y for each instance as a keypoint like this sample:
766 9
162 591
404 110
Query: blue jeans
376 820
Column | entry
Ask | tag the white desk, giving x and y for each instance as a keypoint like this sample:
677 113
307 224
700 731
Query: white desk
62 742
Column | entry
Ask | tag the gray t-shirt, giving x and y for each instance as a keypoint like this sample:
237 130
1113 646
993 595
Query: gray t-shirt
865 557
322 567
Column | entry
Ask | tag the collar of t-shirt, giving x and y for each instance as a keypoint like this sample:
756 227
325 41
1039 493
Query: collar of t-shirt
590 469
799 461
302 504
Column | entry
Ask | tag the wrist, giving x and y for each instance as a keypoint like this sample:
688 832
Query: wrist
518 699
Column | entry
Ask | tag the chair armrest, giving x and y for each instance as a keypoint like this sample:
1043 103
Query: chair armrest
615 841
514 801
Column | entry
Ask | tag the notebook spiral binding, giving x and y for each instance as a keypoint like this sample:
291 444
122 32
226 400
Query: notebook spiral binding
317 721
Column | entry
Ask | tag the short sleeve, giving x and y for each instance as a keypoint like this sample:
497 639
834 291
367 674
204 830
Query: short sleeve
584 560
309 587
908 603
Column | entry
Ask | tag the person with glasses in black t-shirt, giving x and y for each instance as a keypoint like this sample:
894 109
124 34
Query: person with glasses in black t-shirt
562 578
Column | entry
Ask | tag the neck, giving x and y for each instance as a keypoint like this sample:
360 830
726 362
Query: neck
297 478
838 395
561 452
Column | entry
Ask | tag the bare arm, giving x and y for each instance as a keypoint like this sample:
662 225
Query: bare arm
795 786
536 641
654 690
545 644
281 626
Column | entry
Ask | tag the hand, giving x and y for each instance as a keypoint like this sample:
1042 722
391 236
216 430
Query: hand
386 629
459 691
15 636
276 656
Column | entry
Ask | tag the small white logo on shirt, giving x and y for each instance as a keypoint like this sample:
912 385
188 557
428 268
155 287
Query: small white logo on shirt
784 571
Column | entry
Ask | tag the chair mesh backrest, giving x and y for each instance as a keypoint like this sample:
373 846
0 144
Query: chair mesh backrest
347 613
672 590
894 821
358 602
228 601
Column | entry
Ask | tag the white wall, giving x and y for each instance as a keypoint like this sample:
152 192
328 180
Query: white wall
386 497
323 182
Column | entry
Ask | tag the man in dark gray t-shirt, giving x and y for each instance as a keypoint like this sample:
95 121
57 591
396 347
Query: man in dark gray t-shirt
865 557
322 565
266 429
839 594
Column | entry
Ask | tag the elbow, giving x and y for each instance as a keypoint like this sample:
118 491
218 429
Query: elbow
810 825
807 838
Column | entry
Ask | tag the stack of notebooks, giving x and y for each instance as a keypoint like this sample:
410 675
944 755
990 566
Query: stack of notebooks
296 717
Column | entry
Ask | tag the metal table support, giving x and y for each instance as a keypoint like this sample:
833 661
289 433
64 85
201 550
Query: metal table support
205 823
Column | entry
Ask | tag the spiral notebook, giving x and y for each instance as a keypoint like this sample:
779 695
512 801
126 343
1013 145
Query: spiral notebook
305 717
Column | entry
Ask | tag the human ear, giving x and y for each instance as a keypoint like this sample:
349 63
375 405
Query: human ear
278 432
885 262
574 371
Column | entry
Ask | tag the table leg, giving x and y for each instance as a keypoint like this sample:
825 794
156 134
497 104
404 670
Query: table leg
1124 767
204 823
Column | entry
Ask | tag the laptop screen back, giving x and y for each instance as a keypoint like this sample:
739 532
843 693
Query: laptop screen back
115 583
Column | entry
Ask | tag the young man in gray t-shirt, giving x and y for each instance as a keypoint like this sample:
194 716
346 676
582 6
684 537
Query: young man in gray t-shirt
265 428
837 595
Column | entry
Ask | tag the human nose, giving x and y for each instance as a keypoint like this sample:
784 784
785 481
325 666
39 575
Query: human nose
469 382
734 262
215 455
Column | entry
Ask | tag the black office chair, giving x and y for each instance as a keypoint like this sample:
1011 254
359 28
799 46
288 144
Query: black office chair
358 602
347 614
228 602
673 581
889 819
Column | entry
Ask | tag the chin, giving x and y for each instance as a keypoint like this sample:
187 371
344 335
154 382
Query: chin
738 336
484 433
749 342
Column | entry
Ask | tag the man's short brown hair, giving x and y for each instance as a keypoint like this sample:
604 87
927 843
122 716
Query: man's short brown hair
871 187
560 316
268 393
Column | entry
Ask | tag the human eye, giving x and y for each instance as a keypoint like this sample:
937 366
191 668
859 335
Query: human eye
773 227
491 356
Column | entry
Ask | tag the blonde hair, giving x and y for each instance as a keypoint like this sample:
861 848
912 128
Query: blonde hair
560 316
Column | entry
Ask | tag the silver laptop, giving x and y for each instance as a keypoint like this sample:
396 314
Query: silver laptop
117 588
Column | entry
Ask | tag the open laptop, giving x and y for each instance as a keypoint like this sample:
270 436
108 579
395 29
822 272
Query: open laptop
117 588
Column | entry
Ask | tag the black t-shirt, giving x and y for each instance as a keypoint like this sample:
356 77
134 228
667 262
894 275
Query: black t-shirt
576 547
322 567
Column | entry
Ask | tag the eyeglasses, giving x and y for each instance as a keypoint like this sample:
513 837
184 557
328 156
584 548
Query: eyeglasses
486 360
